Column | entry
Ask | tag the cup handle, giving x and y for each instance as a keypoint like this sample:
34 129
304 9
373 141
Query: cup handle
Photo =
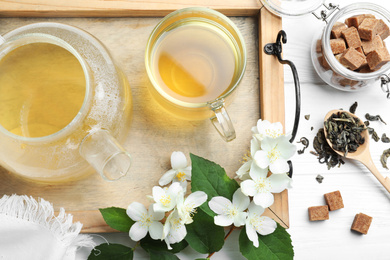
222 121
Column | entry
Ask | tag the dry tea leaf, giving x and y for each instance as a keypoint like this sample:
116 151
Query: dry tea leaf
385 139
344 132
324 152
384 156
305 143
352 109
374 118
319 178
373 134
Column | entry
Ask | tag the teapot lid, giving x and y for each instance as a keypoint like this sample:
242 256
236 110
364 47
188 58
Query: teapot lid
292 8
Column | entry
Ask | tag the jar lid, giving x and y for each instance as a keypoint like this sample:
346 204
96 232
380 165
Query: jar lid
292 7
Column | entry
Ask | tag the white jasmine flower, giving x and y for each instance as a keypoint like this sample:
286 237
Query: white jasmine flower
228 212
255 223
180 172
187 207
166 199
274 154
144 222
265 128
174 229
261 187
243 171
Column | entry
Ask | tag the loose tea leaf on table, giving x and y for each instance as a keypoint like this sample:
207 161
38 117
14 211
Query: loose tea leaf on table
374 118
344 132
305 143
319 178
385 139
384 156
307 117
374 135
352 109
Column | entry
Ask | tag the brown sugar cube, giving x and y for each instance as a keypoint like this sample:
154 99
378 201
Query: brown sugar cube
318 213
352 59
334 200
368 29
337 45
352 38
365 69
337 28
369 46
383 29
318 46
342 81
361 223
338 56
378 58
323 63
357 20
359 49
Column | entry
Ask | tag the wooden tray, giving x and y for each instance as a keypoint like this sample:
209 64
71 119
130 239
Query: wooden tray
154 134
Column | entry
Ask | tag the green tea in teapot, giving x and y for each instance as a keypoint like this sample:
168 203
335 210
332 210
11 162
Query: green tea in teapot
42 88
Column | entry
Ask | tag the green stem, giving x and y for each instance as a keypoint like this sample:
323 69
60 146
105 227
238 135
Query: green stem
137 245
230 231
227 235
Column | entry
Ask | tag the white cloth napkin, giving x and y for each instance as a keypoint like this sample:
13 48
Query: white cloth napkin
30 230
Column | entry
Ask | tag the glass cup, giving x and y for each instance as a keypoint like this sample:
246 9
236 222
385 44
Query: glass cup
195 58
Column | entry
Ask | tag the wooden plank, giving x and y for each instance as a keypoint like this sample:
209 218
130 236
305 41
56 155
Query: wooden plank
272 95
92 221
119 8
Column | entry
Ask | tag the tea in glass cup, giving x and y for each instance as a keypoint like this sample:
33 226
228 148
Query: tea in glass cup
195 58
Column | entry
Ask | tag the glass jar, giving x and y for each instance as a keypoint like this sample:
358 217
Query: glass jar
335 74
325 63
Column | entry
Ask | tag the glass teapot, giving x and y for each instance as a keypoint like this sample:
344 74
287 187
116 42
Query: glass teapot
74 115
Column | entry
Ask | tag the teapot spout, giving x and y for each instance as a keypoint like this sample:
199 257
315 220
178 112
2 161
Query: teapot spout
102 151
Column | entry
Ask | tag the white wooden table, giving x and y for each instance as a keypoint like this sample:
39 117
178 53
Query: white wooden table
331 239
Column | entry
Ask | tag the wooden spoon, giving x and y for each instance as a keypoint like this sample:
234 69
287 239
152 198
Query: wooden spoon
362 153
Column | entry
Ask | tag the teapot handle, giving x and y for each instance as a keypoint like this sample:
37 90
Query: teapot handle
103 152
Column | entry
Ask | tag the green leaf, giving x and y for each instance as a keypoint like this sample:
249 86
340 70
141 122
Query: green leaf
112 252
203 235
275 246
211 178
117 218
149 244
158 255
